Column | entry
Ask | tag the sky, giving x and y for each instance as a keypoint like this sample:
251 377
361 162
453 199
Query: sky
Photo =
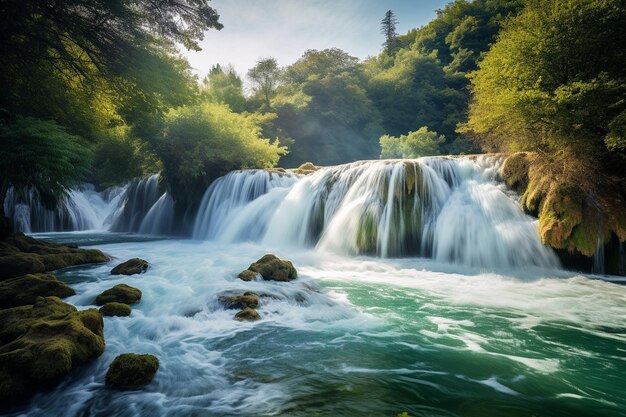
284 29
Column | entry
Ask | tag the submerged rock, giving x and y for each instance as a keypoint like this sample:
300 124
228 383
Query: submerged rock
21 255
272 268
19 291
43 342
239 301
131 371
121 293
115 309
131 267
247 275
247 314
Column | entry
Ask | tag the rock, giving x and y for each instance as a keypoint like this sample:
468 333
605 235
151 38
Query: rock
43 342
21 255
121 293
131 371
272 268
247 314
131 267
19 291
305 169
247 275
239 301
115 309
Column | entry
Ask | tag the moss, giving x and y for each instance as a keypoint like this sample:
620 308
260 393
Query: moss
131 267
131 371
247 314
239 301
305 169
115 309
515 171
272 268
121 293
43 342
21 255
24 290
247 275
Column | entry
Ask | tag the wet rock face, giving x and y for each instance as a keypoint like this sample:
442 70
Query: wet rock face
121 293
115 309
271 268
22 255
131 371
41 343
247 275
131 267
19 291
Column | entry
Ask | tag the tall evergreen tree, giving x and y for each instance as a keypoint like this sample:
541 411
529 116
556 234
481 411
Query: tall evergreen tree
388 29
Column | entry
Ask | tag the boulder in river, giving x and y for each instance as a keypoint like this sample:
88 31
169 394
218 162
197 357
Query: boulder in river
131 267
121 293
19 291
115 309
131 371
43 342
247 275
247 314
239 301
272 268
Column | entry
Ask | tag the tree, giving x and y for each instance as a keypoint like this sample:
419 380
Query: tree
205 141
225 86
412 145
388 29
265 76
40 155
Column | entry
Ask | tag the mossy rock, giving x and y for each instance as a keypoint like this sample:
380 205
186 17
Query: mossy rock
305 169
247 314
131 371
272 268
131 267
41 343
247 275
115 309
121 293
21 255
515 171
19 291
239 301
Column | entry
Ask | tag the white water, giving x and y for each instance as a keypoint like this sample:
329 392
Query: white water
452 210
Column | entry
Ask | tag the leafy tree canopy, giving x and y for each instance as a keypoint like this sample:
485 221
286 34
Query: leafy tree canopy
415 144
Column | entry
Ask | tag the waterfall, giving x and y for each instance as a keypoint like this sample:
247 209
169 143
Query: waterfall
78 209
138 199
454 210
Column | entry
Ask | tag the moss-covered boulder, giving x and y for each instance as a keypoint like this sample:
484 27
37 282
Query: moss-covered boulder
247 275
239 301
131 267
115 309
272 268
24 290
305 169
247 314
121 293
131 371
43 342
21 255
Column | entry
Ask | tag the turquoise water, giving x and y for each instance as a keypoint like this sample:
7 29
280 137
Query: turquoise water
350 337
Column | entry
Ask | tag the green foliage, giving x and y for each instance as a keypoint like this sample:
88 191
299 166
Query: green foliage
412 145
265 76
40 155
225 86
388 29
207 140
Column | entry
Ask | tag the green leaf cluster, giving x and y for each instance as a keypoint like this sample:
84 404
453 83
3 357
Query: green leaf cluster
412 145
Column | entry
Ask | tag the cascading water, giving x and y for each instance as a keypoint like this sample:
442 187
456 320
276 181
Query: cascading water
79 209
451 209
140 196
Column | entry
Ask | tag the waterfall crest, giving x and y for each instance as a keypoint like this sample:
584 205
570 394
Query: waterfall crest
451 209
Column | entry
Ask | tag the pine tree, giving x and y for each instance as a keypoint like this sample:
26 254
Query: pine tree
388 29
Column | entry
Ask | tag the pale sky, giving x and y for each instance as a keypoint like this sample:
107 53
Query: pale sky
284 29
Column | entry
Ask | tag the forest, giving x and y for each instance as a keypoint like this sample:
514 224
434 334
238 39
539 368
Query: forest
103 94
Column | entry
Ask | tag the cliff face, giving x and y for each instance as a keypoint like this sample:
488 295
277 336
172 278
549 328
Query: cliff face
579 211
